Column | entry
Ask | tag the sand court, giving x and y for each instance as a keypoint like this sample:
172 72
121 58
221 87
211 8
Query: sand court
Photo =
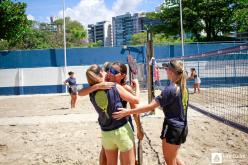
41 129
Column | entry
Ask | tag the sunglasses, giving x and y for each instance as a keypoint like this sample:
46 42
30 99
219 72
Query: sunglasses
113 71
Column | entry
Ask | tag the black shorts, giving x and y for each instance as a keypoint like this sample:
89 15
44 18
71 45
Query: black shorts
71 92
173 134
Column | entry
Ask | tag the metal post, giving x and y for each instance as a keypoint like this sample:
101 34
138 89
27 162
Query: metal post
149 55
130 74
181 22
65 58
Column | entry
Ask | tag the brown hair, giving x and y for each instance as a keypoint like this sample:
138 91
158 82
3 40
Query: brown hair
123 70
180 79
70 73
106 66
93 74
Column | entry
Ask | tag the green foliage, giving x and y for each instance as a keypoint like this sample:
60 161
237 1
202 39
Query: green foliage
13 21
4 45
75 30
138 39
95 44
240 16
214 17
159 38
45 38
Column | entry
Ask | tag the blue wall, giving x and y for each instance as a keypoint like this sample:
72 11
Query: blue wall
87 56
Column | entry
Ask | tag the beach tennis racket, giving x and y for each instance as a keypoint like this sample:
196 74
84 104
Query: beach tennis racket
140 153
101 100
132 66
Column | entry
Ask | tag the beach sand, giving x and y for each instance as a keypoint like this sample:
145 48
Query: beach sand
42 129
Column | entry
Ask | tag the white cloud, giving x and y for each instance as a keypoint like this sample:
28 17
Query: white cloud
122 6
92 11
30 17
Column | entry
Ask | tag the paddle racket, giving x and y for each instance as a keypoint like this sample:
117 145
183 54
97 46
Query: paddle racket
101 99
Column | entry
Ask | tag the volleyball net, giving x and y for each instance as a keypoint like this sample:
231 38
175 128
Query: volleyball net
224 84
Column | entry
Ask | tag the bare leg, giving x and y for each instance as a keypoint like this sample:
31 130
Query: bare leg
198 87
102 159
179 161
74 101
170 152
112 157
71 101
128 157
194 86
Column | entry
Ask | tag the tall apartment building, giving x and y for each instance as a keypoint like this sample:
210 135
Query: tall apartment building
101 31
124 26
123 29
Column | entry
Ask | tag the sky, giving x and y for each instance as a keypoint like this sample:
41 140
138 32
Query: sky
86 11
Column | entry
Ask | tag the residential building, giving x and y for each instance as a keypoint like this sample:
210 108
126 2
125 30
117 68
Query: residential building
123 29
101 31
91 33
124 26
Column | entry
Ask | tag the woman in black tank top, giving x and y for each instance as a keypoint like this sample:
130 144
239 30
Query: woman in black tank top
116 72
119 73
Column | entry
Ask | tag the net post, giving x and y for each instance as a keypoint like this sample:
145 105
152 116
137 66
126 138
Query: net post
149 55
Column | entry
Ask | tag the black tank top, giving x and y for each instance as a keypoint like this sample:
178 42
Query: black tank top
112 97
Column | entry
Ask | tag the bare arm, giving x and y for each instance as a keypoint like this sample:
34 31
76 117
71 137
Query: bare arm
140 132
88 90
146 108
127 96
66 83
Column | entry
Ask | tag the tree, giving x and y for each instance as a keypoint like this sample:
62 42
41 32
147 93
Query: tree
159 38
216 16
240 16
138 39
75 31
13 20
95 44
212 16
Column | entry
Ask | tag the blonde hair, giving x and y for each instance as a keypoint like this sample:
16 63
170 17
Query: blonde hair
93 74
180 75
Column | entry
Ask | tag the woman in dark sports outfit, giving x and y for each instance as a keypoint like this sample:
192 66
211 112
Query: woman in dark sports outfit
116 134
116 72
119 71
72 84
174 101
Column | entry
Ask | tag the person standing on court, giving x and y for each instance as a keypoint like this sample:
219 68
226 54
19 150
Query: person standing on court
72 88
197 80
117 135
157 77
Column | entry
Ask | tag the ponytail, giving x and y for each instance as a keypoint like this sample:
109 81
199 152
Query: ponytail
93 75
181 82
180 75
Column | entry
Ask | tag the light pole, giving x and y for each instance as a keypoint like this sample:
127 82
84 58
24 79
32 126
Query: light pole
65 58
181 22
